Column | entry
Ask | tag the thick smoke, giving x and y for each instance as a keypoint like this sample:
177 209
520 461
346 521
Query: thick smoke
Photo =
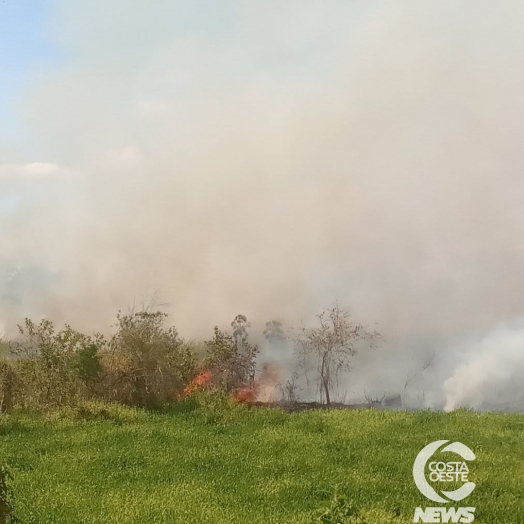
491 372
269 158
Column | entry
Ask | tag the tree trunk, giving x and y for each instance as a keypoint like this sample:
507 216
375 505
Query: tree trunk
324 377
326 391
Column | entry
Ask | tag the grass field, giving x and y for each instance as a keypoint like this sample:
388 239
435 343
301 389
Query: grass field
248 466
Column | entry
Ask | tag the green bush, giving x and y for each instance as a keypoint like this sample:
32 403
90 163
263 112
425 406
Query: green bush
8 382
144 364
215 405
44 366
147 363
7 502
231 358
86 364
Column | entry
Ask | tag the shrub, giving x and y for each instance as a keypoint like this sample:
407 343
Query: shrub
44 367
147 362
215 405
87 366
144 364
231 358
8 381
7 502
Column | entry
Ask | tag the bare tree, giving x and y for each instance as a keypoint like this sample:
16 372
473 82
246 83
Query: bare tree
289 390
429 361
332 345
374 401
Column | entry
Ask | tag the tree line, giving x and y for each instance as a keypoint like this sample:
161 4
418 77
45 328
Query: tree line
146 363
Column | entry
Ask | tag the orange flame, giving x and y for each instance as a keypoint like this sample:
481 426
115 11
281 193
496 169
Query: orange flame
245 395
201 381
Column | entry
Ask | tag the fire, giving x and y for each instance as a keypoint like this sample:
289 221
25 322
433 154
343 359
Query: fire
245 395
201 381
263 389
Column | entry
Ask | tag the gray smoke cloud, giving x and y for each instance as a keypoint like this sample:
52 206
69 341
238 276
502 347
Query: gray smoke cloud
491 372
270 158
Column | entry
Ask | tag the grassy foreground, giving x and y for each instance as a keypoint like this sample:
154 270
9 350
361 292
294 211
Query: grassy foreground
117 465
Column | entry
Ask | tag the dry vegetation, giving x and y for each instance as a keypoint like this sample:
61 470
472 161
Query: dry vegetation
145 363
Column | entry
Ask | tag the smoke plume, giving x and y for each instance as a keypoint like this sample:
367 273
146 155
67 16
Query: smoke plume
271 157
491 372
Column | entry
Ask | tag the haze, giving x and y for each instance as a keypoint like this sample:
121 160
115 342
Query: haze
269 158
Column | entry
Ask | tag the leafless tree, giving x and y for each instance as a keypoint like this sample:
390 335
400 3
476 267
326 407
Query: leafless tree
289 390
332 344
374 401
415 373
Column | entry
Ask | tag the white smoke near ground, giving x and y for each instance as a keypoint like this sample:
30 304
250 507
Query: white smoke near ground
491 372
269 158
483 372
269 383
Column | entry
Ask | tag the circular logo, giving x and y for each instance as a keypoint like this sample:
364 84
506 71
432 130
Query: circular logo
443 471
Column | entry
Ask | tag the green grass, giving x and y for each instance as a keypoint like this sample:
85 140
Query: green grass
117 465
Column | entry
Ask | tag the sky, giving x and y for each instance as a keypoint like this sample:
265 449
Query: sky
267 158
24 46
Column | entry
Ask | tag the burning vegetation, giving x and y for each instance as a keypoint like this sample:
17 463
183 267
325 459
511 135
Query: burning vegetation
146 363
